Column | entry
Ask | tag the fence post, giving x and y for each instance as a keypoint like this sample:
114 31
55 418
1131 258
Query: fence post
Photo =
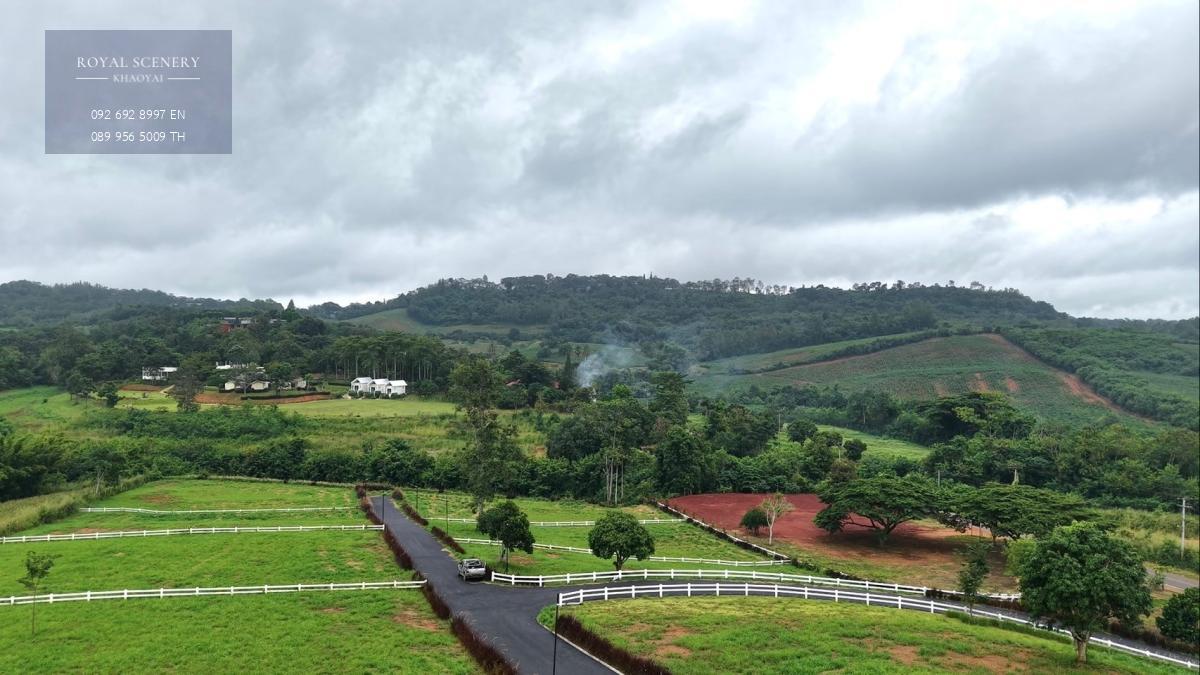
868 598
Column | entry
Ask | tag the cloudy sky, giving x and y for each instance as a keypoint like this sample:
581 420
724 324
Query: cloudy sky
379 146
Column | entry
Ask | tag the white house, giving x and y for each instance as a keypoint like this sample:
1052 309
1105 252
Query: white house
396 388
360 386
379 387
157 374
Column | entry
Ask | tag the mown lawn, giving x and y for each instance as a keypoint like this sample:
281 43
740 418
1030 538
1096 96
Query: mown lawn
327 632
348 631
673 540
764 635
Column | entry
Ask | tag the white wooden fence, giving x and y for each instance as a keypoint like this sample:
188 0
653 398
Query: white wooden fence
654 558
157 512
88 596
86 536
560 523
645 574
837 595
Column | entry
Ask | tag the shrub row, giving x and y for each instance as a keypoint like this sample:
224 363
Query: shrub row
56 506
617 657
939 594
490 659
446 539
1152 637
438 605
412 513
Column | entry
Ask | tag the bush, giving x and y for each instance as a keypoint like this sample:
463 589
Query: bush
1180 618
490 659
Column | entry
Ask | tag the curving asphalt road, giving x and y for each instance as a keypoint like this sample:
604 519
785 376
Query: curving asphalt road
507 616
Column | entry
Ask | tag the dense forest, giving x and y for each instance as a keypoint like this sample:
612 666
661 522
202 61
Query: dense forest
28 303
713 319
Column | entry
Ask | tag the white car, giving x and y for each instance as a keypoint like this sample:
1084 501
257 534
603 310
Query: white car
472 568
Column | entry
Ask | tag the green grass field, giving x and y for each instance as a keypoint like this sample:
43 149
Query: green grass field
1180 385
670 540
370 407
399 320
764 635
878 446
352 631
943 366
318 632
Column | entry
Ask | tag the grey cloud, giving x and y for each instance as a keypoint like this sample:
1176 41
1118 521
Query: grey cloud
381 145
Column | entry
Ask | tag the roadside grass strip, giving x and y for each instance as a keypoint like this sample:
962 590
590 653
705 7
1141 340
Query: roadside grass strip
717 589
130 594
252 529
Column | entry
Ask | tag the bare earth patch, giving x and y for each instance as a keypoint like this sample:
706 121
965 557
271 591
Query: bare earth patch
412 618
905 654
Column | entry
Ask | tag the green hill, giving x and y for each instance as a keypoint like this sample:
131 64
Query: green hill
939 367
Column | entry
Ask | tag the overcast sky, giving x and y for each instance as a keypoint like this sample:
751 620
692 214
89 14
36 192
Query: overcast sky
379 146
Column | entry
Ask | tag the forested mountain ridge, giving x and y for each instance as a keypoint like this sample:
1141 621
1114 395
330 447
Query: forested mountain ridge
29 303
713 319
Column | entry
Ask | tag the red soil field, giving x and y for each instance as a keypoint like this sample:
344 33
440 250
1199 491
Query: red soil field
726 510
915 552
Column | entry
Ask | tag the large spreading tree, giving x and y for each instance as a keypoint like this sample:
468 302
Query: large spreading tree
881 503
1079 577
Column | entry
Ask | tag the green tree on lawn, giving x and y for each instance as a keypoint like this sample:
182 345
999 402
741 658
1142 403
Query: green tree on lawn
619 536
37 568
1079 577
506 523
973 572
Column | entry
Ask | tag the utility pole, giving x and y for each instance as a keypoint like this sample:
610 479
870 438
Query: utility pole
1182 526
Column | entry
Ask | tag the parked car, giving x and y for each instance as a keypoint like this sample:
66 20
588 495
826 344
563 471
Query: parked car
472 568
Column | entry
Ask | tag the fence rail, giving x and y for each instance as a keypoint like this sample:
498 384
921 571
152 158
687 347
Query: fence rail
561 523
25 539
158 512
653 558
88 596
837 595
645 574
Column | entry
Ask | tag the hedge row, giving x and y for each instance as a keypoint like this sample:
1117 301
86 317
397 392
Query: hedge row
489 658
617 657
412 513
446 539
939 594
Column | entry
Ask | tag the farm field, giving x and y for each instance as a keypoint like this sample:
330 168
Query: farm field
319 631
765 635
922 553
878 446
399 320
671 540
943 366
783 358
